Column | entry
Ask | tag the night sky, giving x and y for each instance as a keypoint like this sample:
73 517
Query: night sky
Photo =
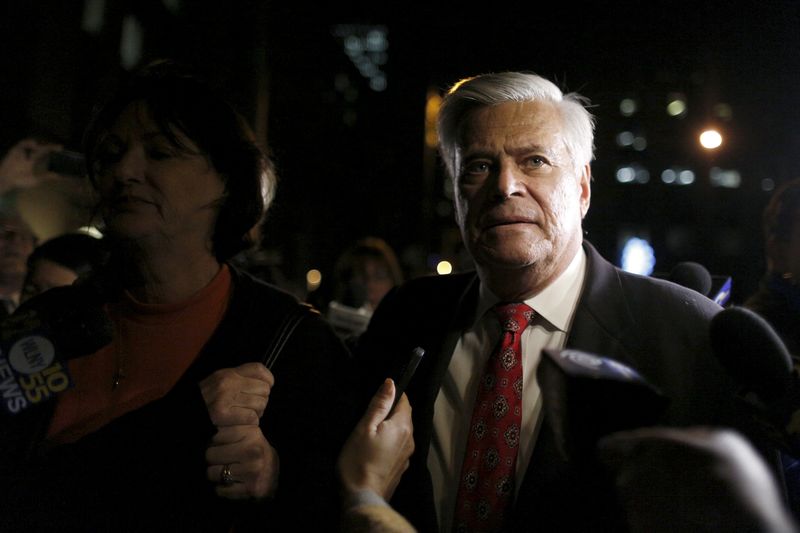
352 160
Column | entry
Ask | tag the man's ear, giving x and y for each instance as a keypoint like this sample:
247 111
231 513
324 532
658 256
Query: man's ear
586 188
776 251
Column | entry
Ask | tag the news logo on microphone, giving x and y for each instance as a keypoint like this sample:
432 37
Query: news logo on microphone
31 371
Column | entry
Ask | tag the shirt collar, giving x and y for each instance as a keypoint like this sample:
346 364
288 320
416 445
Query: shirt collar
556 303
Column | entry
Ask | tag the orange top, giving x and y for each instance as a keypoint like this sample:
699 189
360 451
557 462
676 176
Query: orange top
154 344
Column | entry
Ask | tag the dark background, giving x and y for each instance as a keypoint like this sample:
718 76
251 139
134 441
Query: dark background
353 161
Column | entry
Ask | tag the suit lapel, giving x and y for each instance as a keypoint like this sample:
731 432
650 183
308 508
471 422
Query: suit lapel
442 327
603 324
444 332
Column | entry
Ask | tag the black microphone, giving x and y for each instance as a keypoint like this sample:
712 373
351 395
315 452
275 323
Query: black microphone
37 340
586 396
693 276
757 359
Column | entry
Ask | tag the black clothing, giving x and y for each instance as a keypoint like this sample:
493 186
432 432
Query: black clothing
146 470
778 301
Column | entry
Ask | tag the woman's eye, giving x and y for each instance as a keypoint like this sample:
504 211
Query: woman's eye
157 153
106 156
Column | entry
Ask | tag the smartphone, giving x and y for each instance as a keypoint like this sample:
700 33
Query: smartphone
401 384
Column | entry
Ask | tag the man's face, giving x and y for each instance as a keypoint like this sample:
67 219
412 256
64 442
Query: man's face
519 197
16 244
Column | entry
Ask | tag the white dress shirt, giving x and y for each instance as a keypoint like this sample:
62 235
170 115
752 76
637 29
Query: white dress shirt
554 308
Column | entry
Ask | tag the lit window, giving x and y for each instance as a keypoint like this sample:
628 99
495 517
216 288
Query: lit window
628 107
723 111
378 83
366 46
626 174
676 104
685 177
638 257
676 108
730 179
625 138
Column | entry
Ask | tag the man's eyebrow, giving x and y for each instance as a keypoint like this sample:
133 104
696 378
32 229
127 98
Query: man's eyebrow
528 148
476 152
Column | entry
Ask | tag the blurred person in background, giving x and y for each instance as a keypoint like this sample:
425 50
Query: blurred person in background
60 261
778 296
16 244
363 274
176 423
24 165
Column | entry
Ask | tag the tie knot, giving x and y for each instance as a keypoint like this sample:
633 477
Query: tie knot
513 316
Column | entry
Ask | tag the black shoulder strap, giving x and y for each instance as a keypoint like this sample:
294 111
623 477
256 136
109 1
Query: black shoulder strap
285 331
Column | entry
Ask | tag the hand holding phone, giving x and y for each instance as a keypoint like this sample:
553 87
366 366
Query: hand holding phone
408 372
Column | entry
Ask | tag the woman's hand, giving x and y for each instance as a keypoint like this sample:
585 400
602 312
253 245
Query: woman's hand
25 165
242 463
240 459
237 396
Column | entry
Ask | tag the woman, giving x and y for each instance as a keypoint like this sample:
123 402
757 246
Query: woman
364 273
175 424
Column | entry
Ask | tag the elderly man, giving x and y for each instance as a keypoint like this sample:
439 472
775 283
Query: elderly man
16 244
519 153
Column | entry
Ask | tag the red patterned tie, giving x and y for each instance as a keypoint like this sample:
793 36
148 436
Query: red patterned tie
487 475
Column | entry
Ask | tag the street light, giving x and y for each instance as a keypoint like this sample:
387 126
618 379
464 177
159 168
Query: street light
711 139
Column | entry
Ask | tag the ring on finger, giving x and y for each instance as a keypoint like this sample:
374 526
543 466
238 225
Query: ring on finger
225 475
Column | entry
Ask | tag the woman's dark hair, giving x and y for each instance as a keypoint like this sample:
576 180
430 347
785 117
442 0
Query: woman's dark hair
78 252
179 102
353 258
779 215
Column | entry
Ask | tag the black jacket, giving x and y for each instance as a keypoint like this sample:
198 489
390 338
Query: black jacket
146 470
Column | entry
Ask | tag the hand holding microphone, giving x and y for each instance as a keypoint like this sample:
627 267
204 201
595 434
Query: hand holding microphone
692 479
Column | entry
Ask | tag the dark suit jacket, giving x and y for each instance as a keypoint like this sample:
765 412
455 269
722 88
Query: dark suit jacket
656 327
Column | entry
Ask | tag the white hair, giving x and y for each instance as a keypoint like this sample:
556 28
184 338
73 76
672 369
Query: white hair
497 88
